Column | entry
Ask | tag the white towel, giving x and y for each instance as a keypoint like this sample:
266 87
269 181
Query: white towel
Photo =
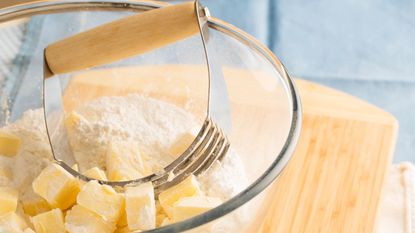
397 207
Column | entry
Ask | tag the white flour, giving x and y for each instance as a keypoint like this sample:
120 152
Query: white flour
225 179
35 152
152 123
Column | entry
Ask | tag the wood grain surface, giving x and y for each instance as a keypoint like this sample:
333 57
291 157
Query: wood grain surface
334 180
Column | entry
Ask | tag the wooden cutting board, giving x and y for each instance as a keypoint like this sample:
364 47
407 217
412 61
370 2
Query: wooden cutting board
334 180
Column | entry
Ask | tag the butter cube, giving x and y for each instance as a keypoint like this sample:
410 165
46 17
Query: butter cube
80 219
140 207
102 200
95 173
160 218
182 142
160 214
34 205
122 222
12 223
75 167
188 207
71 121
57 186
8 200
49 222
187 188
124 162
9 144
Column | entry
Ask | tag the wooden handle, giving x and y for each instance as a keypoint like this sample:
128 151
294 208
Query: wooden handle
123 38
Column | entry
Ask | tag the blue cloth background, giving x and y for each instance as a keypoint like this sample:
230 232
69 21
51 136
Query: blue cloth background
365 48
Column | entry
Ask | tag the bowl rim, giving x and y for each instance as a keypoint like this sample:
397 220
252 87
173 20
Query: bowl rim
10 10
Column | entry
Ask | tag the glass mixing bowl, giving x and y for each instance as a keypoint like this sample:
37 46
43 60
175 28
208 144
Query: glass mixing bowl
262 102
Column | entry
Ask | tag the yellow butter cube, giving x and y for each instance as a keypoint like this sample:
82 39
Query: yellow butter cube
182 143
122 222
102 200
28 230
75 167
80 219
95 173
8 200
160 214
71 121
187 188
12 223
160 219
34 205
188 207
140 207
9 144
49 222
58 187
21 214
124 162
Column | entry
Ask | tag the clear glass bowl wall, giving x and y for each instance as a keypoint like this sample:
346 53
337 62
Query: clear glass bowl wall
263 105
